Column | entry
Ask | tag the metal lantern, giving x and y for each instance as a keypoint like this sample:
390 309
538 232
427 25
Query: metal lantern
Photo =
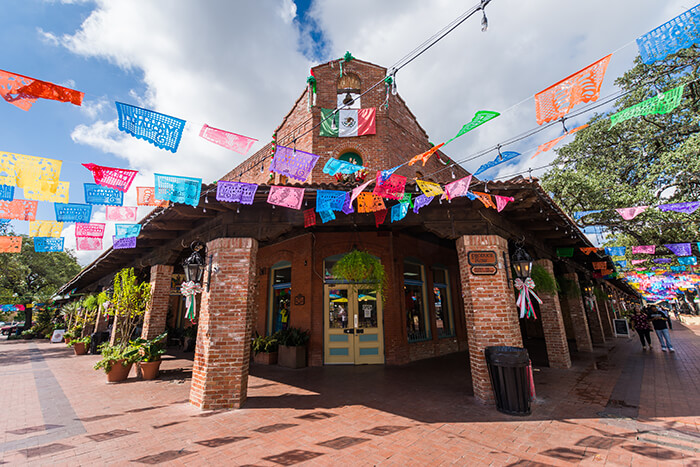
522 263
194 265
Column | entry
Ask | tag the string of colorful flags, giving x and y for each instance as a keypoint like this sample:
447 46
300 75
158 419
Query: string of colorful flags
39 177
687 207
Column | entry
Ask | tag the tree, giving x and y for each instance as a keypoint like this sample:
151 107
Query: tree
644 161
34 277
129 302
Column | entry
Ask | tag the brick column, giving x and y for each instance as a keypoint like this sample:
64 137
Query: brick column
553 324
606 321
226 317
157 311
578 316
489 306
594 321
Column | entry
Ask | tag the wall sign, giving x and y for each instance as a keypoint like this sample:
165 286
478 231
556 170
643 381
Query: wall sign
482 258
484 270
299 300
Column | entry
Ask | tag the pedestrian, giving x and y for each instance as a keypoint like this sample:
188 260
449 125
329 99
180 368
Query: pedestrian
640 323
660 322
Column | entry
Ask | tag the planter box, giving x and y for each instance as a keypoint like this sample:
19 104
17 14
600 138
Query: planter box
264 358
292 357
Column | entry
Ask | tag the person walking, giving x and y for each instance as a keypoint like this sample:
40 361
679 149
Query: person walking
640 323
660 322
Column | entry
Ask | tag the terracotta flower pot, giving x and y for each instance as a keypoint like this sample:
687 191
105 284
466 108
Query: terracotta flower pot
149 370
265 358
119 372
79 348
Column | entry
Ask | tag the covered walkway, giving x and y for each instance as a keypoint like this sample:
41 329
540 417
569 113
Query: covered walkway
617 405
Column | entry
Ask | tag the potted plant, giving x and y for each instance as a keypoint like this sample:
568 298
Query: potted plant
117 361
265 350
149 355
189 338
292 347
80 345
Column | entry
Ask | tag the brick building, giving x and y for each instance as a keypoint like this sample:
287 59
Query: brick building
267 271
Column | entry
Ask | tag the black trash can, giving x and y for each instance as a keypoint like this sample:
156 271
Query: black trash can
97 339
508 369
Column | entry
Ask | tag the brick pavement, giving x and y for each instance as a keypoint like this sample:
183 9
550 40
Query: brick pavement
617 407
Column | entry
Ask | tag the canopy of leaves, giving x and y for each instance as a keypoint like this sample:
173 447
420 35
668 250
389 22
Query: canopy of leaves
644 161
34 277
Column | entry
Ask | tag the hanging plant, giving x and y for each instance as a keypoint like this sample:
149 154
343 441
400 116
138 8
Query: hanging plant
568 288
361 266
544 281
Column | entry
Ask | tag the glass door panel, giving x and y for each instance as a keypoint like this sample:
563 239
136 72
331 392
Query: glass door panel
369 336
339 345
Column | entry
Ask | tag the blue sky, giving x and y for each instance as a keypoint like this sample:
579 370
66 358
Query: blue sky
241 65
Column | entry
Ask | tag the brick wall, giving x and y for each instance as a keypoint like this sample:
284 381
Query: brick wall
579 320
398 137
553 324
157 311
222 354
306 254
489 307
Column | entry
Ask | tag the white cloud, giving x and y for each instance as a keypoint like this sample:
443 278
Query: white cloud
528 47
231 65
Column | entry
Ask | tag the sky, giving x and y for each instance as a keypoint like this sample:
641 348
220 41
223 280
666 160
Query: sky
240 65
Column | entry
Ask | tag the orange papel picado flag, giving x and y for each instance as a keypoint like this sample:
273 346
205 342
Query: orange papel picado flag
23 91
583 86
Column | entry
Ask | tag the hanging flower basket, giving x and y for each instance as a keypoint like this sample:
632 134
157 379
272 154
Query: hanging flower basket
361 266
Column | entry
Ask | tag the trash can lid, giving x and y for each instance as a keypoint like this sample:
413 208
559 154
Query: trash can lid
506 355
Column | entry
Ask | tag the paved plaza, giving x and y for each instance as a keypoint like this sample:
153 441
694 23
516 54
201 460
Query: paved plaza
622 406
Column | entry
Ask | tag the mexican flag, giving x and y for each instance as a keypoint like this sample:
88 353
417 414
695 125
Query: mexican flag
348 122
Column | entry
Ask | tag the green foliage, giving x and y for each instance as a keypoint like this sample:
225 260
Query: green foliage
361 266
638 162
83 340
111 355
600 293
150 350
544 281
568 288
129 303
292 337
33 277
42 323
264 344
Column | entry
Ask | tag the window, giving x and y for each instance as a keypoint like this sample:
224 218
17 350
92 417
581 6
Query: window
352 157
281 293
417 326
441 299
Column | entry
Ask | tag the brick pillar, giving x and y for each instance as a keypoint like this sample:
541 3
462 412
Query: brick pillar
226 317
594 321
606 321
157 311
579 320
553 325
489 306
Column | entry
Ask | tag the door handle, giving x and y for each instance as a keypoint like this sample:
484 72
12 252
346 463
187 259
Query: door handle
349 331
359 331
